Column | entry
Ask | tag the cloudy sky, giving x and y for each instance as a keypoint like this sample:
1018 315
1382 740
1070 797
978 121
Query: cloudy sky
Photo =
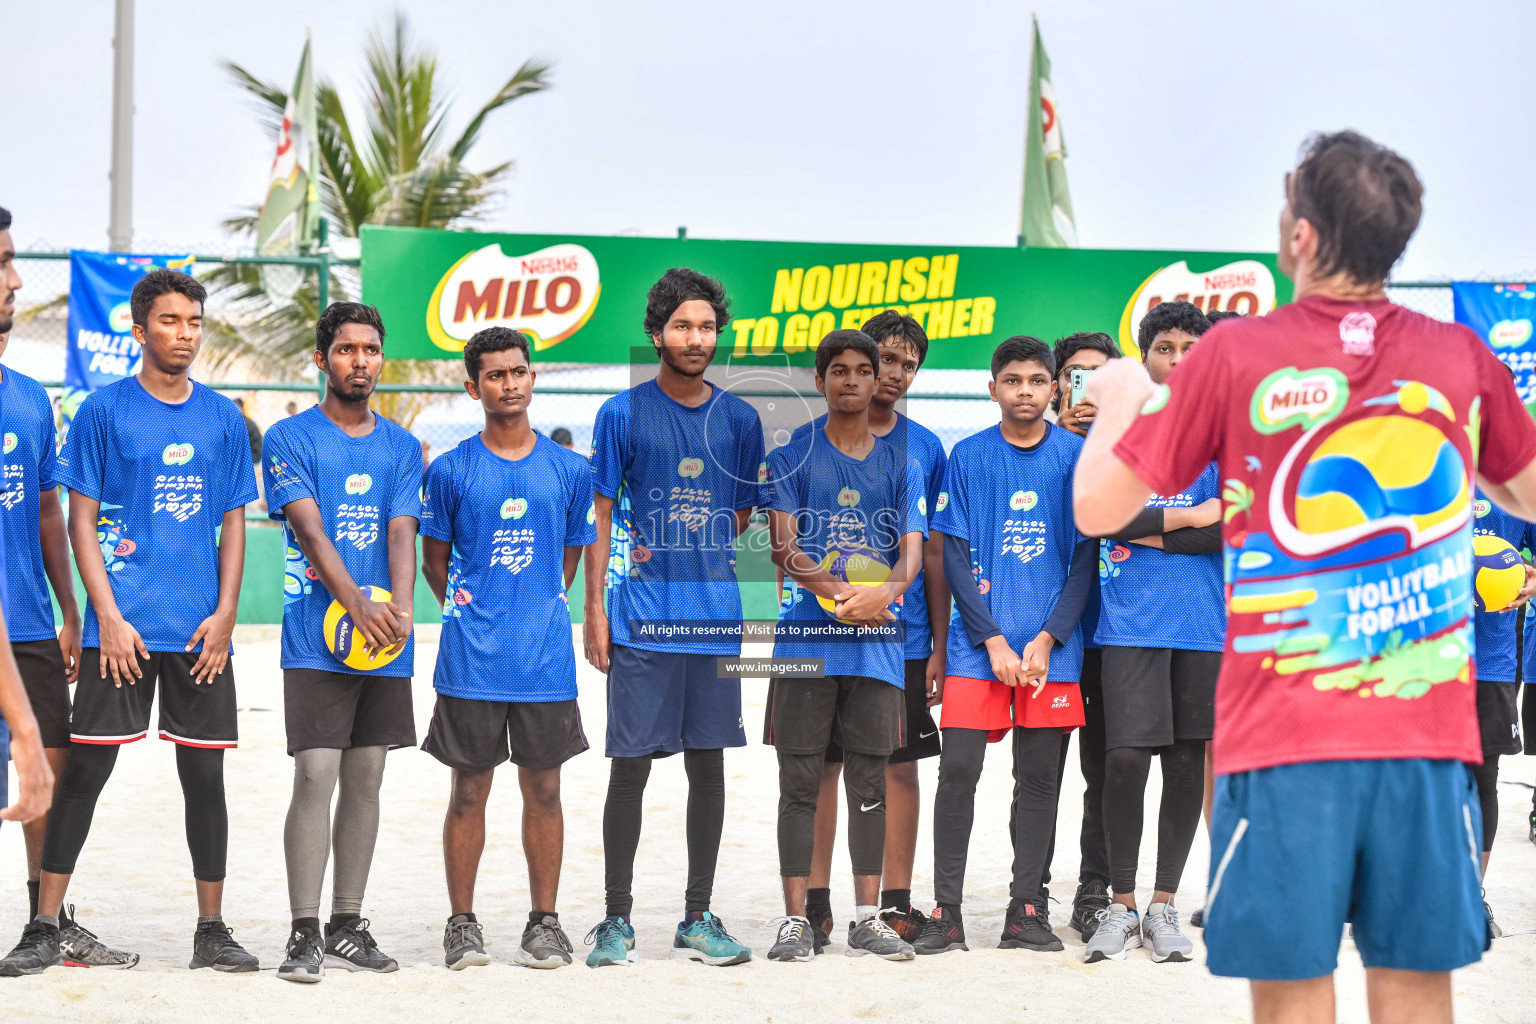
814 121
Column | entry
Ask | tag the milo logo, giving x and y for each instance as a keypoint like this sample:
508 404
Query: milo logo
120 320
514 508
1480 506
762 472
174 454
942 503
359 483
1023 501
1297 398
1509 333
10 442
592 513
694 467
922 505
848 497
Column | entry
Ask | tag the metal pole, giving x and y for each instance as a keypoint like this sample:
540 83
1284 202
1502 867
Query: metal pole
323 299
120 229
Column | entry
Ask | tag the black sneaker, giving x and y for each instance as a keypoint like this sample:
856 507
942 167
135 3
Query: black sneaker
1533 825
37 951
1092 897
1026 928
904 921
214 945
80 947
304 960
351 948
942 932
822 924
544 945
1198 918
794 942
464 943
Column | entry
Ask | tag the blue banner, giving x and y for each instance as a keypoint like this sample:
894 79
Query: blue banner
101 348
1503 316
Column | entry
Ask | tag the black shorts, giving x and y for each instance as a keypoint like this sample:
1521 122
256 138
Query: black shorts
1155 695
866 716
341 709
477 735
1498 717
192 714
922 731
44 678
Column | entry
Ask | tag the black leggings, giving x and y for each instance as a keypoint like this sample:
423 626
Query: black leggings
1487 776
1125 787
799 790
1036 766
86 772
621 826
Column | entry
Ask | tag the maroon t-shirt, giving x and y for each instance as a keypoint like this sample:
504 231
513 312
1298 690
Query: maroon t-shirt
1346 434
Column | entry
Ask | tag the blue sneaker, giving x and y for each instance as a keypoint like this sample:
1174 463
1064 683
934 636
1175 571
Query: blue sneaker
707 941
612 942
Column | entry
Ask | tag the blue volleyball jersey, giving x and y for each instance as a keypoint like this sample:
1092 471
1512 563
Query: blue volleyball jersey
506 625
1494 632
1150 598
840 502
31 461
359 485
165 476
677 475
923 445
1015 510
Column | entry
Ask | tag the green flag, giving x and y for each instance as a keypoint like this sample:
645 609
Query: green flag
290 215
1046 220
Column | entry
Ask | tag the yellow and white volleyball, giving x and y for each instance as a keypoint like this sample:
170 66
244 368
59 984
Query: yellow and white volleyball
856 564
346 643
1499 573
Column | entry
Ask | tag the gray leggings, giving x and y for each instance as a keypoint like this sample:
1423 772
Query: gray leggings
309 833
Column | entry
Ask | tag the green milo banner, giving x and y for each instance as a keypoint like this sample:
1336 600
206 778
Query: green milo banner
581 298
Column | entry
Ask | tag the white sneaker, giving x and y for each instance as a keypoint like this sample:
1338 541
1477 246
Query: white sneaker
1160 930
1119 930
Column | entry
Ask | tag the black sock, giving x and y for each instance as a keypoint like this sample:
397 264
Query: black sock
952 908
468 916
818 901
690 916
32 898
339 921
307 924
536 916
901 899
206 921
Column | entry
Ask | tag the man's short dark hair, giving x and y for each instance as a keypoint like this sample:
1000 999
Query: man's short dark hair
845 340
561 435
895 325
5 219
1170 316
1214 315
163 282
1364 200
1021 348
680 285
338 313
493 339
1090 341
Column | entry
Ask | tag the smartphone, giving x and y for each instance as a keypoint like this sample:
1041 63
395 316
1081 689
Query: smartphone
1079 386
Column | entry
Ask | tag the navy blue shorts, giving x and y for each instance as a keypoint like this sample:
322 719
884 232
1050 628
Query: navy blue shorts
1393 847
663 702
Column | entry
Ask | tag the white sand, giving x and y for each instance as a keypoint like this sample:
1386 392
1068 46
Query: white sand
134 887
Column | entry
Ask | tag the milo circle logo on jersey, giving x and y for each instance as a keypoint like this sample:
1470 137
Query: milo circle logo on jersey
514 508
592 513
690 468
10 442
1023 501
120 320
359 483
762 472
922 505
942 503
174 454
1481 506
848 497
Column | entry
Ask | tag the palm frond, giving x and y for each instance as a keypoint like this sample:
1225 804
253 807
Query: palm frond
270 100
532 77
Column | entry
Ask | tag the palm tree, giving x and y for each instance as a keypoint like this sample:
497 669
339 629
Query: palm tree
401 169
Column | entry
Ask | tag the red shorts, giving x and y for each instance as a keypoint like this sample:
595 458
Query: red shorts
997 707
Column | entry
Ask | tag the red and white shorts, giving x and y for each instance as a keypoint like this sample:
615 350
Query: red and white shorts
997 707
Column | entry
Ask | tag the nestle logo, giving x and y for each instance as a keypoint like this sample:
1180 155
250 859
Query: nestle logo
1225 282
551 265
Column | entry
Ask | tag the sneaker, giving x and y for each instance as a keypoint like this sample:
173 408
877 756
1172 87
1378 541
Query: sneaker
943 932
37 951
464 943
613 943
907 922
1533 824
304 959
544 945
1092 897
873 937
1118 929
1198 918
795 942
1025 927
821 929
1493 926
351 948
707 941
1160 930
80 947
214 945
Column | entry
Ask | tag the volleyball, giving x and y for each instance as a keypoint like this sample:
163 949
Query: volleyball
856 564
1499 573
346 643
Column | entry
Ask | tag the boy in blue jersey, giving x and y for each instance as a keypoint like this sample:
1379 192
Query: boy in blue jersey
924 609
346 484
507 514
1162 625
836 494
159 472
674 469
1498 673
1021 577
